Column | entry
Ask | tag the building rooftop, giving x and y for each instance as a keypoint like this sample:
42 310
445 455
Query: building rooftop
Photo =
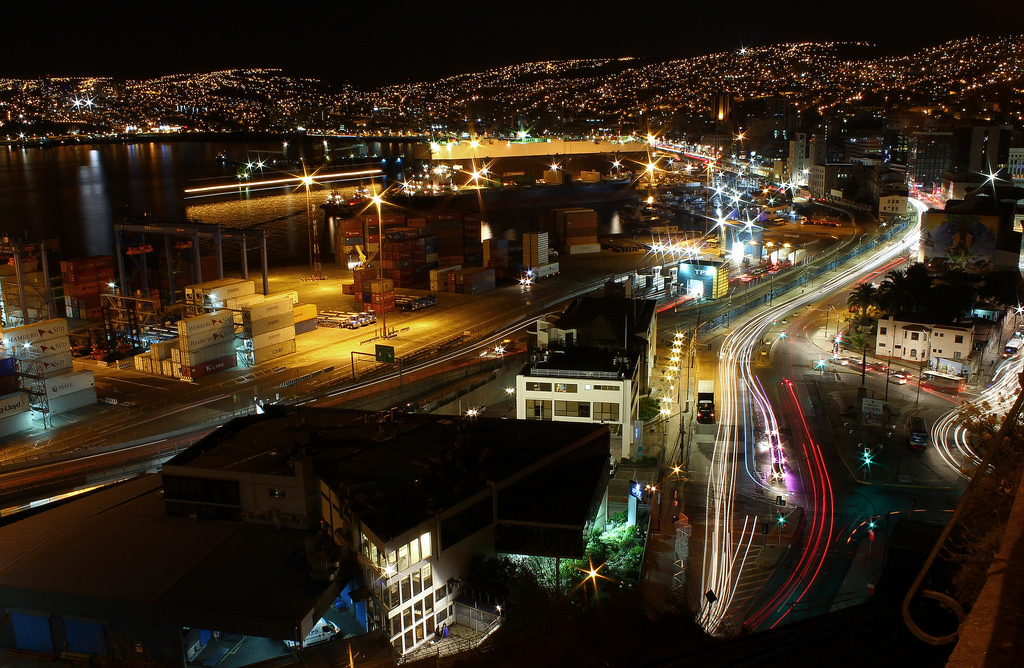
126 551
396 470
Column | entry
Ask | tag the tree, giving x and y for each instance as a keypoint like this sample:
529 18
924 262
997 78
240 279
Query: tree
863 298
894 294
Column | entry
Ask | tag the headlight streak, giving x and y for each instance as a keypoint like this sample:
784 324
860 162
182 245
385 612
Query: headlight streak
950 435
721 548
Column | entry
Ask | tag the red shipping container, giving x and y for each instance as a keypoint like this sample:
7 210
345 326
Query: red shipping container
213 366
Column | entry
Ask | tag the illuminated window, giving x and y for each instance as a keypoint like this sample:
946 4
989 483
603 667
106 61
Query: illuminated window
425 545
604 410
538 387
565 387
572 408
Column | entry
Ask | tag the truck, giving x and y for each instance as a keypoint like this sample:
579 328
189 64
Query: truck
706 401
1013 346
543 271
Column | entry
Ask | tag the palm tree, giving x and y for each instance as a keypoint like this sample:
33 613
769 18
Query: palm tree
894 294
919 282
863 298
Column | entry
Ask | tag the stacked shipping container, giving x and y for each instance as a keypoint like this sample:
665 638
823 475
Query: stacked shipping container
85 279
43 354
576 230
269 328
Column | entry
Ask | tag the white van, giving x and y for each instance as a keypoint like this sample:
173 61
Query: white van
322 632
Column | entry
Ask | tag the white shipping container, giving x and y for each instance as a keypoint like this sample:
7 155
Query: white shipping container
273 338
583 249
238 303
38 331
163 349
260 355
144 363
201 323
57 365
10 271
278 306
167 368
197 357
67 384
12 424
42 348
257 327
12 404
209 338
195 293
217 296
70 402
291 294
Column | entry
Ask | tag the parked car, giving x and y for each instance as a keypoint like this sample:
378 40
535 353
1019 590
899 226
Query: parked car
323 631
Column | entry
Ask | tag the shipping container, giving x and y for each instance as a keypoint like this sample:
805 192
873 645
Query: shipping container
15 423
196 292
192 358
217 297
583 249
69 383
305 326
208 338
261 355
273 337
72 401
196 324
43 348
163 350
11 383
12 404
304 312
56 365
38 331
257 327
280 306
7 366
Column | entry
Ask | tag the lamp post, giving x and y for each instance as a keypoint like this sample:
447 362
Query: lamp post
377 200
511 393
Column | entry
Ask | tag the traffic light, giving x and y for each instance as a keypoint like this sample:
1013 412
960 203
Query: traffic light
867 456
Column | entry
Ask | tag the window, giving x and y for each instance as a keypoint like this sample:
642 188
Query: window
914 336
403 557
414 550
958 338
604 410
417 583
881 331
425 545
881 344
538 387
538 409
428 580
572 408
956 354
406 589
565 387
913 352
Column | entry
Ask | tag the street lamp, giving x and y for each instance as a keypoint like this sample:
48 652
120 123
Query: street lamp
510 392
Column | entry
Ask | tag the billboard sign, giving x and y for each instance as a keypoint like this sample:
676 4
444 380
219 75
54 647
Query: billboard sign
871 412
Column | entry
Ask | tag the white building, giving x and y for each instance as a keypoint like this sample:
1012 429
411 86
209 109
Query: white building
892 206
593 366
923 342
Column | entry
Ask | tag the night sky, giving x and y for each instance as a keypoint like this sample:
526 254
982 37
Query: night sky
374 43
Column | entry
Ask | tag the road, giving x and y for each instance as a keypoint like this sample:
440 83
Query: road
763 455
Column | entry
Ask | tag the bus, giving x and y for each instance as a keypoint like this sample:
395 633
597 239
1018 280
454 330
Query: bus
918 434
943 382
1013 346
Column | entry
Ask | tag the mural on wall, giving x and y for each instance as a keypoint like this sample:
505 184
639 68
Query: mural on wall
959 241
